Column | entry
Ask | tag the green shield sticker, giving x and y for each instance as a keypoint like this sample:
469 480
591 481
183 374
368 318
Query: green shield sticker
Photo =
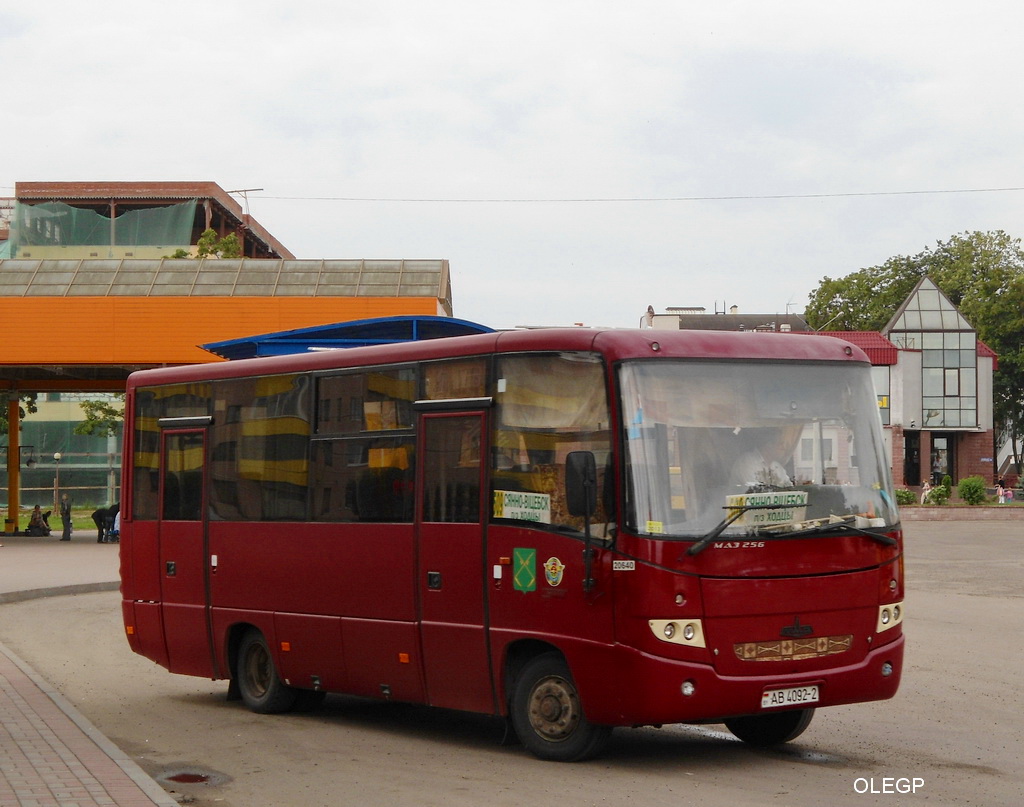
524 566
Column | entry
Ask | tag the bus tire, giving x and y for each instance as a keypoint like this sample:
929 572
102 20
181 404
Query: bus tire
260 686
764 731
548 716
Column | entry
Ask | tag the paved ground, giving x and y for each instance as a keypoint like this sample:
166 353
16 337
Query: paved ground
954 724
50 755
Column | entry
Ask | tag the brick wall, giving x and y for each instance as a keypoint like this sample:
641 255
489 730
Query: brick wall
974 456
954 513
899 451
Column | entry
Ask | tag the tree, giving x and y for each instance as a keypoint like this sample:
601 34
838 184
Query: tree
26 406
210 246
864 300
982 273
102 418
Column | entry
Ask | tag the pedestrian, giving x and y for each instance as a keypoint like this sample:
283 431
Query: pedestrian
37 522
111 524
65 517
99 518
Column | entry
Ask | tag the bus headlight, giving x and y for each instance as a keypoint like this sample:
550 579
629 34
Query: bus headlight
889 616
687 632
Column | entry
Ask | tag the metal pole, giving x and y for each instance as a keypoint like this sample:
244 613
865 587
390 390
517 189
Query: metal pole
56 483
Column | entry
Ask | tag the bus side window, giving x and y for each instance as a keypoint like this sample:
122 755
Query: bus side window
548 405
183 478
362 479
259 443
451 476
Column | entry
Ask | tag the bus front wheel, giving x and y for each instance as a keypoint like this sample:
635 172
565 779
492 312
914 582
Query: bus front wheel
547 714
763 731
261 688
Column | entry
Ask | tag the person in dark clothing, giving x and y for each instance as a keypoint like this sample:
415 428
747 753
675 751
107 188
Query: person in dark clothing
103 518
65 517
111 536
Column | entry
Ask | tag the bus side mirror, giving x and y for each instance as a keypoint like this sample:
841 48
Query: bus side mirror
581 483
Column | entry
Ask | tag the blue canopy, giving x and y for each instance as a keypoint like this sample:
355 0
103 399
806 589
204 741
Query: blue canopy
357 333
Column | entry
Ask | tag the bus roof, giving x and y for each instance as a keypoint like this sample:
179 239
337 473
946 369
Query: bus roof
614 344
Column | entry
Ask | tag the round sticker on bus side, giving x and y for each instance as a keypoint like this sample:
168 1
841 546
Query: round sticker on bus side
553 569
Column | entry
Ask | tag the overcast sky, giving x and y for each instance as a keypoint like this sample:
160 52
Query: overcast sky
574 161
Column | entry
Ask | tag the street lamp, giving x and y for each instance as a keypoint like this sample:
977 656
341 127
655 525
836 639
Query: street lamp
56 482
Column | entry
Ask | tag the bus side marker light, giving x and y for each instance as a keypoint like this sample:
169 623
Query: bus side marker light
403 658
129 629
286 647
499 572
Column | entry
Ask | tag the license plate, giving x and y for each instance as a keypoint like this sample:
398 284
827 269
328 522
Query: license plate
794 696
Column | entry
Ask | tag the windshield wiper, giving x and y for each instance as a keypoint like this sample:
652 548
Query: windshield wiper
734 514
844 524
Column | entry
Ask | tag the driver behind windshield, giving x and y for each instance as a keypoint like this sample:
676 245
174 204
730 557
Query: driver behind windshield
763 456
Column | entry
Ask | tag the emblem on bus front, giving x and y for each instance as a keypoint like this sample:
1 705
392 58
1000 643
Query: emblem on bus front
796 630
553 569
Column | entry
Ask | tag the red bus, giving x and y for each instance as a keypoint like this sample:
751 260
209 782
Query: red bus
572 529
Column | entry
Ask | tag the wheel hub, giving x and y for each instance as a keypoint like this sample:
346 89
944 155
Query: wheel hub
554 709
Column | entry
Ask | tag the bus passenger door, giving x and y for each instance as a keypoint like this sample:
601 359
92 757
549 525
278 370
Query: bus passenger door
450 519
183 562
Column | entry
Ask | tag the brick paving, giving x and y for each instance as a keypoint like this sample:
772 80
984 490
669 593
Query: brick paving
51 756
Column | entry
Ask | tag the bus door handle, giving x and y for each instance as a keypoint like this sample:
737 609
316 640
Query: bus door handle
434 581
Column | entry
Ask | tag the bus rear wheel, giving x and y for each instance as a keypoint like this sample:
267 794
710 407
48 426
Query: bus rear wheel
547 714
763 731
261 688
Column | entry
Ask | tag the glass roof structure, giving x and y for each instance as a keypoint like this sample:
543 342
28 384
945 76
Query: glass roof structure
927 309
248 277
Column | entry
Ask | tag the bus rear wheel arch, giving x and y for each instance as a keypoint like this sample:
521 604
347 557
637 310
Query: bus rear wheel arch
763 731
259 685
547 713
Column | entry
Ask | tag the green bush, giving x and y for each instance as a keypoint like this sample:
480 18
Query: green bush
905 496
972 490
939 495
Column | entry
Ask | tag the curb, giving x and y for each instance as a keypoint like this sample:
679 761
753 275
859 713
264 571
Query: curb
56 591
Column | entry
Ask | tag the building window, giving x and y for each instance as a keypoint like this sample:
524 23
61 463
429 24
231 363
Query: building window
952 381
880 377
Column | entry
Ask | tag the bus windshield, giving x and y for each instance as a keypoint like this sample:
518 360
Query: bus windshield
777 447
